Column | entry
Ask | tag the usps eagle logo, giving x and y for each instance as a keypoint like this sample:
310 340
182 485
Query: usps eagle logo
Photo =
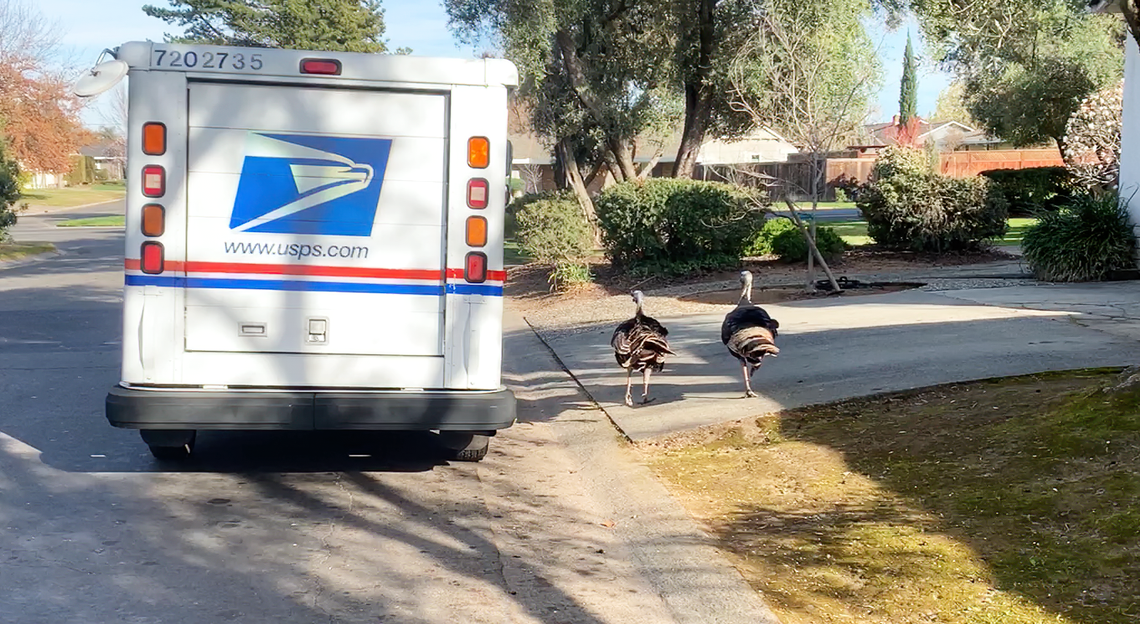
309 184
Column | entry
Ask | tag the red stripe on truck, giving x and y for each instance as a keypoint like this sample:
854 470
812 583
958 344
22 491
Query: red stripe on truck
133 264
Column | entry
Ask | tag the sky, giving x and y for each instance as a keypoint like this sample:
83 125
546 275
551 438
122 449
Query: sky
89 26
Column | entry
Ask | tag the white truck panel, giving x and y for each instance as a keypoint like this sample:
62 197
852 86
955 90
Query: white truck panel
344 112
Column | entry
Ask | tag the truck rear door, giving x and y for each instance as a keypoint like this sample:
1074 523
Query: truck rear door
315 220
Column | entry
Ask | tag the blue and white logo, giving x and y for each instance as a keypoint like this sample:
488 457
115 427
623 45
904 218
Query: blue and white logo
305 184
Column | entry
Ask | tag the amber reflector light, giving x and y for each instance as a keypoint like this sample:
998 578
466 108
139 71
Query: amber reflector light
153 220
478 152
154 139
476 231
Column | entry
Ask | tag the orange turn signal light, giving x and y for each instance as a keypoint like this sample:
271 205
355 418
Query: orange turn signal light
478 152
476 231
153 220
154 138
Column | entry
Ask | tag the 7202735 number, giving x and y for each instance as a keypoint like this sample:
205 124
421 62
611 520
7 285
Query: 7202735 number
208 60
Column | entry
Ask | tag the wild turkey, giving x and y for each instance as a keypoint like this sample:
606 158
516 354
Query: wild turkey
749 333
640 345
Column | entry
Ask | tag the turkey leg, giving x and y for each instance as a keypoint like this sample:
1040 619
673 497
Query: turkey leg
747 380
645 385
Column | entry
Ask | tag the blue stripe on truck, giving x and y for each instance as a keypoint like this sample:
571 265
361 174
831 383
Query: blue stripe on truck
488 290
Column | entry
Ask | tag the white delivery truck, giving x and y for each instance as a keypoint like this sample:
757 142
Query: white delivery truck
314 241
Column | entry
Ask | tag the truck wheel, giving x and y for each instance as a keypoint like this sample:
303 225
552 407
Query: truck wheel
465 446
169 445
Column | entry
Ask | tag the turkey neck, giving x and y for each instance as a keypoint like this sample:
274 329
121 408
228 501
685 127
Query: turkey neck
745 293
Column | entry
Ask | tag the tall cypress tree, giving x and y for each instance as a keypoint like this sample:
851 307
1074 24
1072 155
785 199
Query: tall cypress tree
908 92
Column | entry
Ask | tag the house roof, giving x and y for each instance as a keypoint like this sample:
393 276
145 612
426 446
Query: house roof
883 134
102 149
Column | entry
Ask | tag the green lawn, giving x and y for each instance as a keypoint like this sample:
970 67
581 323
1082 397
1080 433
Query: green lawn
855 232
73 196
108 221
821 205
15 251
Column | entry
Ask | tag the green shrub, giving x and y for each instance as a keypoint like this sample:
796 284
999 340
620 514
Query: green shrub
9 193
841 195
551 228
1031 191
907 206
672 226
761 244
1083 241
790 245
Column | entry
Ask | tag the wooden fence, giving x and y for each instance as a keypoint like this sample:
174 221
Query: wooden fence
967 164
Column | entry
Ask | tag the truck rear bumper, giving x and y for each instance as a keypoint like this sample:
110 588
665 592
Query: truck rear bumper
457 410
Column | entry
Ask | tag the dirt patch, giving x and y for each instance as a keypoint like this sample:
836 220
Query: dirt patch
1001 501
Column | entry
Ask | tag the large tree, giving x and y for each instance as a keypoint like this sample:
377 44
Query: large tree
344 25
1025 64
593 72
39 117
908 87
709 33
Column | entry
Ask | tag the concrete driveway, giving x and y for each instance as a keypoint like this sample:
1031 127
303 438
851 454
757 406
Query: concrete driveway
841 348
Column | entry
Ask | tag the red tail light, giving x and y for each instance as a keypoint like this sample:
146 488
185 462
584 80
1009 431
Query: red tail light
477 190
475 268
152 258
329 67
154 181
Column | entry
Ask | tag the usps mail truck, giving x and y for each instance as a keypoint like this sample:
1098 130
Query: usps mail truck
314 241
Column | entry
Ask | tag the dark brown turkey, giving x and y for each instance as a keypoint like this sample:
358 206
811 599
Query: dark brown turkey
749 333
640 345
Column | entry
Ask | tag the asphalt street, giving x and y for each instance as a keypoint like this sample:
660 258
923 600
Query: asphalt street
559 524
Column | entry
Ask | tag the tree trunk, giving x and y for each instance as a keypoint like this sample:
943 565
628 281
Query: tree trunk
811 243
621 149
565 155
1131 10
698 93
698 107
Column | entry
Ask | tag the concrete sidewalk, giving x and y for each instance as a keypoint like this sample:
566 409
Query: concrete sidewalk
842 348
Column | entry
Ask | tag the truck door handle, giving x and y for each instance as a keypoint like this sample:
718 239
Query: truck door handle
318 331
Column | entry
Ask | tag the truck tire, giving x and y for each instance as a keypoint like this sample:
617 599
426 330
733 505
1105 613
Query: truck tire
169 445
464 445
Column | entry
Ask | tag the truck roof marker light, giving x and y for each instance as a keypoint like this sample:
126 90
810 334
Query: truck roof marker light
475 267
476 231
328 67
477 192
478 152
154 138
154 181
153 220
152 258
